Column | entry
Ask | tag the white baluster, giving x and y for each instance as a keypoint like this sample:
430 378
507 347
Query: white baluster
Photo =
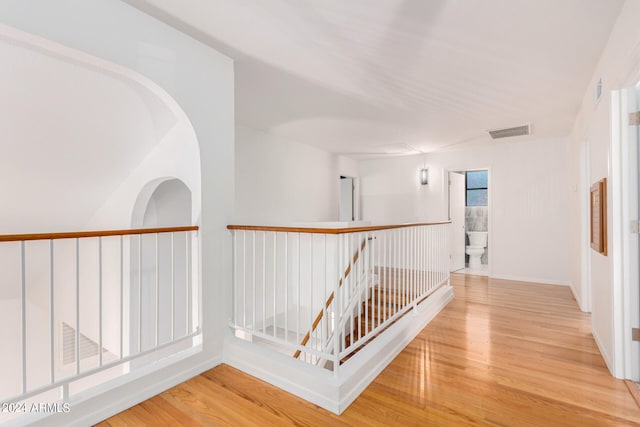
157 284
121 296
244 279
173 287
52 375
264 282
139 316
275 282
100 346
77 306
286 287
23 319
298 295
253 289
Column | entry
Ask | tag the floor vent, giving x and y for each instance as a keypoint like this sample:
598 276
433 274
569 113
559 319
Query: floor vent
88 347
509 132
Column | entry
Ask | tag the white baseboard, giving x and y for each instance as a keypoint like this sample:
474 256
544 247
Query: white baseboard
320 386
308 382
605 355
531 280
110 399
576 296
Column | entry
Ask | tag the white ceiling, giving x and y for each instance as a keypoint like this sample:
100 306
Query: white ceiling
393 76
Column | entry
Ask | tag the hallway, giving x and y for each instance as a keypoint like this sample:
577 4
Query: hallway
501 353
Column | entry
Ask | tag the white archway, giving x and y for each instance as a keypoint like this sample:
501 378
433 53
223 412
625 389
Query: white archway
159 265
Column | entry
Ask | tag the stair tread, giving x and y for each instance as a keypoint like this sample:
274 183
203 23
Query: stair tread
386 299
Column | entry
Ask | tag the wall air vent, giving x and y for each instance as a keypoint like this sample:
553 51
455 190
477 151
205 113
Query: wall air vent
88 347
509 132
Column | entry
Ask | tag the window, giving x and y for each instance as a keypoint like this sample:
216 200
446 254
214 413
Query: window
477 194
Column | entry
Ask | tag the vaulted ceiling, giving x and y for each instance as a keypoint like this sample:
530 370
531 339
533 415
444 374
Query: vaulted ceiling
366 77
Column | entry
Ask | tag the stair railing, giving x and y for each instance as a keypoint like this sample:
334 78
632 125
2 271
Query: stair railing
91 306
327 307
321 293
363 284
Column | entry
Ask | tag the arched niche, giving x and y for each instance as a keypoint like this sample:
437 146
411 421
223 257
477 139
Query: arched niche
159 265
163 202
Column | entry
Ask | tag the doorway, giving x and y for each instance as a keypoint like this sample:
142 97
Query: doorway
347 199
469 215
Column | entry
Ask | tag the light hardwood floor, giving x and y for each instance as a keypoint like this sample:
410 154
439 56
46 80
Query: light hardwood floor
502 353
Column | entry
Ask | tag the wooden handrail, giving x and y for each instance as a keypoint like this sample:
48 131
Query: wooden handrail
318 318
343 230
82 234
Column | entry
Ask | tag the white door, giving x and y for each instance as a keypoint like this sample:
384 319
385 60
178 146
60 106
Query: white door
625 146
634 141
631 137
346 199
456 214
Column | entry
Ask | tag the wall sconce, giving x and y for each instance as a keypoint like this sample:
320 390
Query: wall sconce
424 176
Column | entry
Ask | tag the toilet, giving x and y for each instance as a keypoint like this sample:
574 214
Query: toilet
477 243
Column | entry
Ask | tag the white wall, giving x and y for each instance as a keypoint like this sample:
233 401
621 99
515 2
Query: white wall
619 67
175 157
528 196
201 81
348 167
103 133
65 115
280 182
391 191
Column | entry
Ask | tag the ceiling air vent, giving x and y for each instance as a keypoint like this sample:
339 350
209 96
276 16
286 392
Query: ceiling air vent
509 132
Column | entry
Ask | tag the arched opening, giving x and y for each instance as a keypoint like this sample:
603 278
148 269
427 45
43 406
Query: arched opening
159 293
135 151
169 205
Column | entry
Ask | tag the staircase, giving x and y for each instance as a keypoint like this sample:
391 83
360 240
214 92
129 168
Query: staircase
320 295
385 300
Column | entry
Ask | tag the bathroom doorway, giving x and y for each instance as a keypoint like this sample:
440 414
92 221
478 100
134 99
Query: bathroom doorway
474 242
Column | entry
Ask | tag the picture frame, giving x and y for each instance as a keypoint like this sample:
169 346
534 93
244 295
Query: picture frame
598 216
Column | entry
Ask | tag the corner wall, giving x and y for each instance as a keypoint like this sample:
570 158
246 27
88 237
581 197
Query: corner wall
528 198
281 182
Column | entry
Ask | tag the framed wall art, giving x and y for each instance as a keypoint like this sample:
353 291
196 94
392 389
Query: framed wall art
598 203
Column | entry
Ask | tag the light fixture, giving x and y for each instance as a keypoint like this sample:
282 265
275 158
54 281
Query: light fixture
424 176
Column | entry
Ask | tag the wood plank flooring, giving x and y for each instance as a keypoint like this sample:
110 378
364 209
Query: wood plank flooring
502 353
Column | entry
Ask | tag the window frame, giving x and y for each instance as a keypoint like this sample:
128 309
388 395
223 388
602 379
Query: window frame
466 186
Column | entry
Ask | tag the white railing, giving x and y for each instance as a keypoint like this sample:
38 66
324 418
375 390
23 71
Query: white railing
79 309
321 294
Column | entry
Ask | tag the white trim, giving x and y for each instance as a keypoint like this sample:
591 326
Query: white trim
283 371
585 230
124 394
576 297
320 386
624 243
615 244
632 294
605 355
532 280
